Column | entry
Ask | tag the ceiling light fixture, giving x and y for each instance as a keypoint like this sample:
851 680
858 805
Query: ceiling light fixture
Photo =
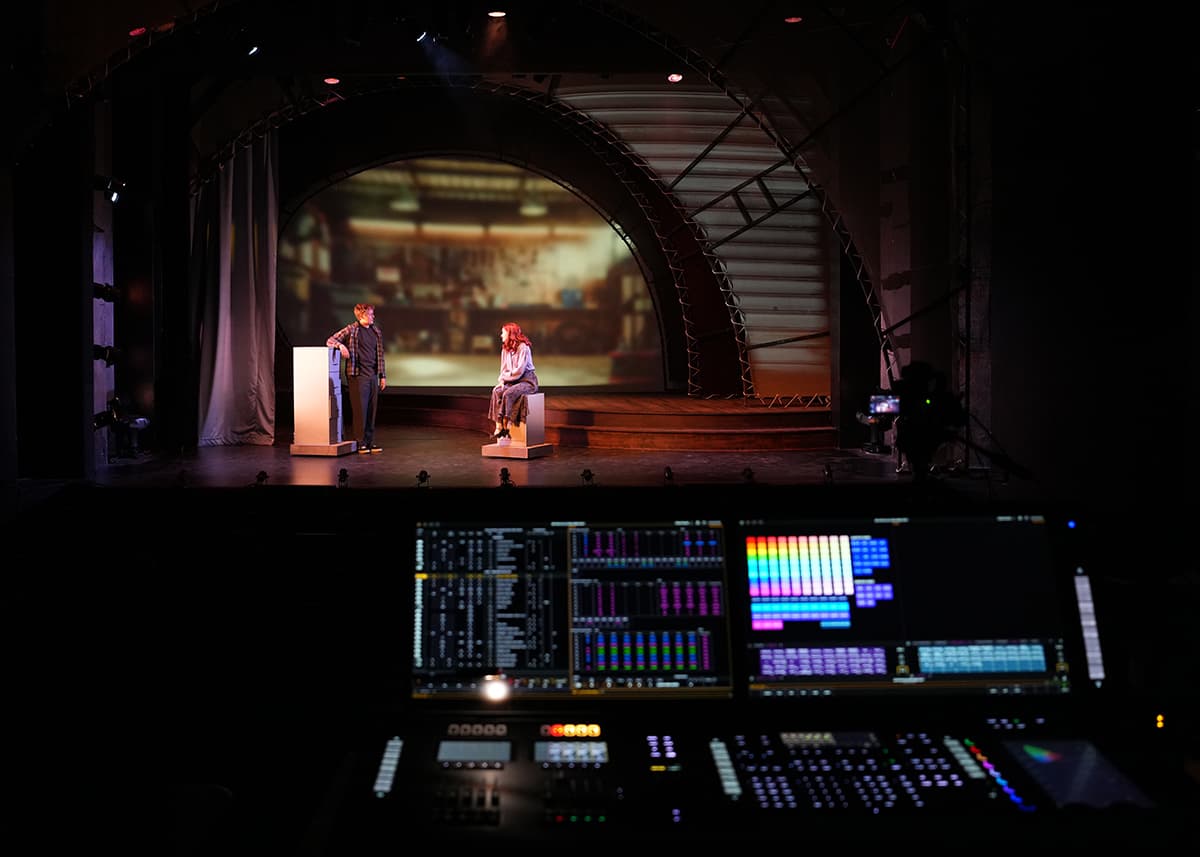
793 19
532 203
533 207
405 200
496 14
674 77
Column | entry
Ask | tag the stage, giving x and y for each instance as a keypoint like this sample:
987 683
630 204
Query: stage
436 441
451 458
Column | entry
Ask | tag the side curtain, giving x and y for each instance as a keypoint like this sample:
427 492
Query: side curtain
237 234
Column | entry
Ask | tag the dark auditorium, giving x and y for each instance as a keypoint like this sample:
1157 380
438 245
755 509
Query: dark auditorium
429 424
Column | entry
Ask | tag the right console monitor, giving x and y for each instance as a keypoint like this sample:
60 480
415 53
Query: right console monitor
964 604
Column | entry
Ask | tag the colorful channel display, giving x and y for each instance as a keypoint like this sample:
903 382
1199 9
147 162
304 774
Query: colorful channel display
645 651
811 578
909 604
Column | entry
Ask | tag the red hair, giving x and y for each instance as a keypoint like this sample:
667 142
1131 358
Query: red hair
515 336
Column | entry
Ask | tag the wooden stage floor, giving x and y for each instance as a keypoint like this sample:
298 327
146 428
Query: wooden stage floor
452 458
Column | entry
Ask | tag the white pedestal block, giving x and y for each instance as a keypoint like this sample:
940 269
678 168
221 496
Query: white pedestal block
317 402
513 450
529 438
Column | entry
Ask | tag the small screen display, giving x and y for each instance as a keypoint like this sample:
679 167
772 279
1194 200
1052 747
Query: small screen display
571 752
474 751
1075 773
884 405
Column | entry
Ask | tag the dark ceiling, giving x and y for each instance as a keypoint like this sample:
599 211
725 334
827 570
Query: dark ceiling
61 42
65 50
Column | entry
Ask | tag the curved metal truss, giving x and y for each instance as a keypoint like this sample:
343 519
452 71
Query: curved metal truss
791 155
610 149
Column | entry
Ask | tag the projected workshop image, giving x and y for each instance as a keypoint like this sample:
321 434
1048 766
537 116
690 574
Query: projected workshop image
449 250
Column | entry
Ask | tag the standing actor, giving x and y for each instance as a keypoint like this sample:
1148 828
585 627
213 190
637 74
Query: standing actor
361 344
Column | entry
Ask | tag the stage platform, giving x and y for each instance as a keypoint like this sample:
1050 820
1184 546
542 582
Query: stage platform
434 441
643 421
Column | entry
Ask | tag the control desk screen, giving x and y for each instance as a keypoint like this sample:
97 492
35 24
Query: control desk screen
895 606
565 609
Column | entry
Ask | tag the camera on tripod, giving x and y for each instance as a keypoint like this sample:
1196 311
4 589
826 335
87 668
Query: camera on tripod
882 410
929 416
923 413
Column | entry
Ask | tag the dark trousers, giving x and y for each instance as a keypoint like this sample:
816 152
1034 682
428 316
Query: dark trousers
364 401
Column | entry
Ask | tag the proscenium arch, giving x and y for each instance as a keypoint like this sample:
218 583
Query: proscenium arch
320 33
701 350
